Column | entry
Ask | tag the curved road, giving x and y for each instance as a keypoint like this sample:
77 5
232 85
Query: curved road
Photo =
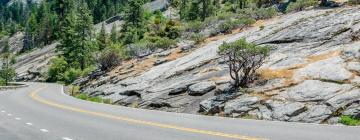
42 112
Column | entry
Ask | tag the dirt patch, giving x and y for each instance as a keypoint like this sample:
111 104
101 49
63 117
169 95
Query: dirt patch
315 58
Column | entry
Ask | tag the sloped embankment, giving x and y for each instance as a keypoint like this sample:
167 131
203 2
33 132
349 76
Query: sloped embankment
312 74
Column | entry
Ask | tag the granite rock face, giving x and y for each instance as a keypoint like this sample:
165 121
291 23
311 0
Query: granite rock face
312 72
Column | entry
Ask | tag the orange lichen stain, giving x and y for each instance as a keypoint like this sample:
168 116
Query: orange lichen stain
273 74
259 23
175 55
328 55
260 95
220 78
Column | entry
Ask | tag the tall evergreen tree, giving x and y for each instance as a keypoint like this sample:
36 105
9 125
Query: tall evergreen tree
102 39
114 35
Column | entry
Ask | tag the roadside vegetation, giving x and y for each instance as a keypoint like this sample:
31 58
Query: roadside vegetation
75 91
7 72
349 120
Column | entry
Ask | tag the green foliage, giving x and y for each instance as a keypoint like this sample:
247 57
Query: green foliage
243 59
74 89
198 38
96 99
57 69
71 74
7 72
354 2
110 57
113 34
300 5
133 28
262 27
102 39
229 25
348 120
77 45
258 13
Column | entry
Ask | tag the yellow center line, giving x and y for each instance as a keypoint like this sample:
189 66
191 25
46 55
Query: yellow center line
34 96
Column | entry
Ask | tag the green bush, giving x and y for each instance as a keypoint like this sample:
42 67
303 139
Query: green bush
110 57
57 68
198 38
348 120
195 26
82 96
265 13
226 27
95 99
262 27
354 2
300 5
71 75
2 82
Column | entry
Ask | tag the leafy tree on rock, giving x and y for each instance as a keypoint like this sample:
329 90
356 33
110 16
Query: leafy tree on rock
243 60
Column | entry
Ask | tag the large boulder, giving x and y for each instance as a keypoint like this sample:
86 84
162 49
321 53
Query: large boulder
344 99
288 110
314 114
328 69
353 66
201 88
313 90
241 105
353 110
213 105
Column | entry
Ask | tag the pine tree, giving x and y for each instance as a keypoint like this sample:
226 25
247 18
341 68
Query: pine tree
102 38
114 35
133 29
194 11
7 72
77 45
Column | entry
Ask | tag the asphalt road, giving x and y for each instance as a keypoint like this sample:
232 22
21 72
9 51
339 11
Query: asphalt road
42 112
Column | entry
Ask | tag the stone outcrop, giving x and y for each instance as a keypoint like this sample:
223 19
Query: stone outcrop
312 73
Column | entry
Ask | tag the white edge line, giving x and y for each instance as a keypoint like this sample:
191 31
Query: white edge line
66 138
44 130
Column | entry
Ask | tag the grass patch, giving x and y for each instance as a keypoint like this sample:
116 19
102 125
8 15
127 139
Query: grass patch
348 120
249 117
96 99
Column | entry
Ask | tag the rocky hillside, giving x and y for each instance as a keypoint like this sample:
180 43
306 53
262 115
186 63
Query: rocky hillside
32 65
312 74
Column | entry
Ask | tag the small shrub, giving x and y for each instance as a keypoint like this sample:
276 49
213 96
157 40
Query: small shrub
262 27
354 2
82 96
300 5
348 120
195 26
198 38
107 101
265 13
95 99
71 75
73 90
57 68
243 59
226 27
110 57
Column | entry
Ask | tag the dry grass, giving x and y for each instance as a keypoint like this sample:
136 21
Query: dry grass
312 59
